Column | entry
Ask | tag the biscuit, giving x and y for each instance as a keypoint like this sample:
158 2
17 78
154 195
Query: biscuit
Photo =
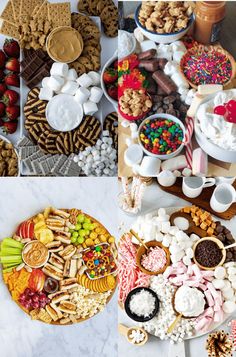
8 14
35 106
86 62
68 141
83 6
16 5
50 143
79 67
88 133
10 30
36 118
102 4
42 141
61 145
59 14
33 93
111 124
36 130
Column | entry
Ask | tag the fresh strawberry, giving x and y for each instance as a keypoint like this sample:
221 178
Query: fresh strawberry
3 59
1 122
9 127
10 97
113 92
115 64
2 75
110 75
3 88
13 65
2 109
11 48
12 79
12 111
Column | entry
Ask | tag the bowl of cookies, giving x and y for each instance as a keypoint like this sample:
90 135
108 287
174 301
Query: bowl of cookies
134 104
164 21
9 159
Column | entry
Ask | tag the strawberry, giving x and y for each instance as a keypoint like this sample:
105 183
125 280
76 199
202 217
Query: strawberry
3 88
2 75
113 92
1 122
11 48
2 109
12 111
10 97
115 64
3 59
9 127
12 79
110 75
13 65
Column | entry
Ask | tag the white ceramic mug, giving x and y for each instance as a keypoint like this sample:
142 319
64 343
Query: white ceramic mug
222 179
222 198
192 186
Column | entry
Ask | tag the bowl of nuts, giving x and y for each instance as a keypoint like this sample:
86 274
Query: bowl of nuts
9 160
161 136
134 104
164 21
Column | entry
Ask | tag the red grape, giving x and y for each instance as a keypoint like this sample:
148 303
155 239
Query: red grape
220 110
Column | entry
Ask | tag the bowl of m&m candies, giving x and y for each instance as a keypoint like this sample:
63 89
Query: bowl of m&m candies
161 136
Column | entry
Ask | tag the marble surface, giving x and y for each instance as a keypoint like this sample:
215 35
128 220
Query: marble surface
154 199
21 337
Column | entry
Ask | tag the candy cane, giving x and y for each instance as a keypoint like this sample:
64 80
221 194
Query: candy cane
188 140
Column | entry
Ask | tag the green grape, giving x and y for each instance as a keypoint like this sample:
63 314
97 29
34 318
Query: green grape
78 226
80 240
80 218
75 234
86 225
81 232
87 220
73 239
87 232
71 231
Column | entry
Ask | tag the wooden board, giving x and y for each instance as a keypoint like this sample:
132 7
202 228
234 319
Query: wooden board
203 200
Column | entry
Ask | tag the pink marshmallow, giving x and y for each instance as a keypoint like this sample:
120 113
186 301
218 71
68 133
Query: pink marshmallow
202 287
197 271
202 323
209 298
212 290
219 315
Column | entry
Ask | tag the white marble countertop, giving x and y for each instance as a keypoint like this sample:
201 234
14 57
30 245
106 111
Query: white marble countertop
21 337
156 198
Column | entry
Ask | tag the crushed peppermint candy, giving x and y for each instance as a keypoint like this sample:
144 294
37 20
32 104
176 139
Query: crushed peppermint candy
154 260
142 303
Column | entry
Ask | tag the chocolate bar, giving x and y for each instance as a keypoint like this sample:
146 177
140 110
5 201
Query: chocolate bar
150 65
164 82
33 65
38 76
146 55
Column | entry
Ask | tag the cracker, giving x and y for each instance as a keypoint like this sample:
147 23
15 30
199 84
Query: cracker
41 9
10 30
26 9
16 4
59 14
8 14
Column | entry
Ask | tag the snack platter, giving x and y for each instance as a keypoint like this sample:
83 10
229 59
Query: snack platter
181 271
99 123
60 266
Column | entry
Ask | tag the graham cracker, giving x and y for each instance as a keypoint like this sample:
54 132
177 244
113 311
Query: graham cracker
8 14
16 5
41 10
10 30
26 9
59 14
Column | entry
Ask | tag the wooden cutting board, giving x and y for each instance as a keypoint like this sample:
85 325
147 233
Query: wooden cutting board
202 201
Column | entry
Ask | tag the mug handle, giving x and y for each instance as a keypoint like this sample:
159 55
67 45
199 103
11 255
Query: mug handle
209 182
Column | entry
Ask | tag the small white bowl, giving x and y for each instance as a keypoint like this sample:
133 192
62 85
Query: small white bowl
163 37
107 64
162 116
133 42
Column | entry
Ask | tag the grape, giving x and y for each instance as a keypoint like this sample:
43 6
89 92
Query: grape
73 239
80 240
27 291
86 225
78 226
23 297
75 234
35 305
35 298
31 293
80 218
87 220
26 305
81 232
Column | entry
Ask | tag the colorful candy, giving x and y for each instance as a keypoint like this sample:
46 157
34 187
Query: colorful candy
161 136
228 111
206 67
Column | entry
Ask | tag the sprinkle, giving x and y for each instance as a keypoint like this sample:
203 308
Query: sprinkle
154 260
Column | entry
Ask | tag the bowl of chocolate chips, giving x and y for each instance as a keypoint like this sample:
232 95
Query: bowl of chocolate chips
209 253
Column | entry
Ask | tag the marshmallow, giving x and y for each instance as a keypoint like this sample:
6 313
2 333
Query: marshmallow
178 46
229 307
133 155
231 270
59 69
85 80
147 45
82 94
190 96
96 94
183 90
90 108
179 80
187 260
45 82
128 141
45 94
150 166
170 68
218 283
70 87
138 35
219 272
125 123
199 163
96 78
177 173
55 83
175 163
177 55
186 172
72 75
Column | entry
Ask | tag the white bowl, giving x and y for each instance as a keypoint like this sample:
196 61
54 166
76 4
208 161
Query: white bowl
162 116
107 64
162 38
133 42
9 142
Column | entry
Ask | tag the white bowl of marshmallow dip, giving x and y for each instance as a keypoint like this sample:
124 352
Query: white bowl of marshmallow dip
214 134
127 44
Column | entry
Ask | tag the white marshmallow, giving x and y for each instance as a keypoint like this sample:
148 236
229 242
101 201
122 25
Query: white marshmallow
125 123
133 155
165 226
187 172
228 294
177 173
179 80
228 307
96 94
189 252
59 69
219 272
82 94
231 270
186 260
218 283
55 83
128 141
174 163
177 55
70 87
232 277
85 80
133 127
147 45
96 78
72 75
90 108
45 82
178 46
170 68
45 94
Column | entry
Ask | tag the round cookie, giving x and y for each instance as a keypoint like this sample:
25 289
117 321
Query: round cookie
86 62
111 27
88 133
68 142
35 106
93 7
42 141
83 6
91 50
96 62
60 144
36 130
51 143
79 67
109 12
111 124
33 93
102 4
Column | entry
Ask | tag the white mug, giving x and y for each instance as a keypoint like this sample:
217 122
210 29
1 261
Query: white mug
222 198
222 179
192 186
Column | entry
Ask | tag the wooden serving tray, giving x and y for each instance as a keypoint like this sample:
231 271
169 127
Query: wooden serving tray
203 200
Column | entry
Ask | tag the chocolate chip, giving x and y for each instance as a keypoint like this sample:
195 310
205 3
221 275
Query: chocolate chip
229 255
208 253
221 237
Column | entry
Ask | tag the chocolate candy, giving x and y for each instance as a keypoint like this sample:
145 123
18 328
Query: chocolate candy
208 254
152 86
146 55
162 62
150 65
164 82
225 236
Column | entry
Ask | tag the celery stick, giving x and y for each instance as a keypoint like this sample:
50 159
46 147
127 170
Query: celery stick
7 270
11 259
10 251
10 265
9 242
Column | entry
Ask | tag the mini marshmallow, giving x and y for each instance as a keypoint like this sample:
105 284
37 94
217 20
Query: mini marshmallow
133 155
85 80
96 94
55 83
189 252
170 68
231 270
45 94
232 277
147 45
128 141
187 260
125 123
133 127
174 163
218 283
134 134
72 75
90 108
179 80
59 69
229 294
138 34
219 272
187 172
177 173
70 87
229 307
178 46
45 82
177 55
96 78
82 94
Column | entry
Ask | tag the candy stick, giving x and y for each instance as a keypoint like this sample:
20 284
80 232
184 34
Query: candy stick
125 186
188 141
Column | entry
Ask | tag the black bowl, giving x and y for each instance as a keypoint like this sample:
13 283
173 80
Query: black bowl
134 316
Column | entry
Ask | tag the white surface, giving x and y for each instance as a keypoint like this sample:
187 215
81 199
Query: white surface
21 337
154 199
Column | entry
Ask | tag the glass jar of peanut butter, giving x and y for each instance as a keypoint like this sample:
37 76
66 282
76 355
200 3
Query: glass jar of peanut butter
208 22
